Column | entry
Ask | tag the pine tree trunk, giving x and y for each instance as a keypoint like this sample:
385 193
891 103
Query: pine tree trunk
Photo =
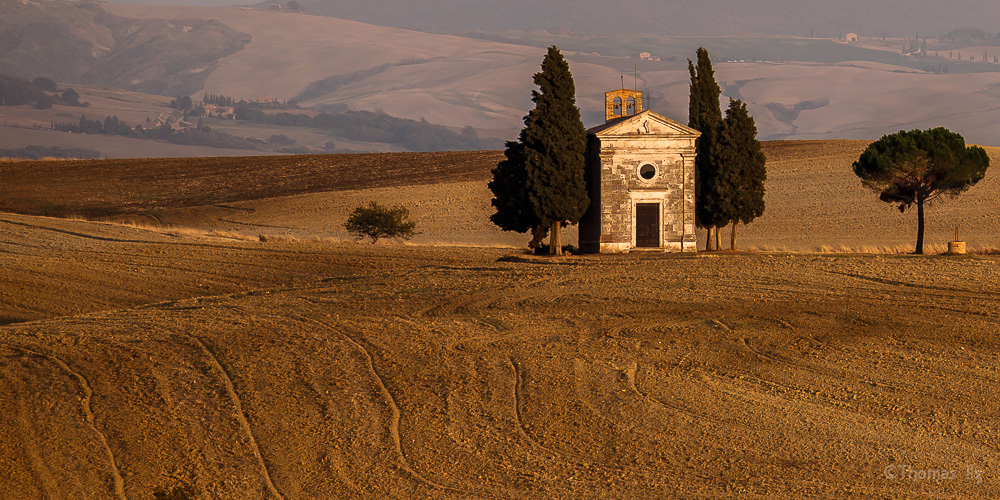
732 237
555 243
559 245
920 227
709 240
718 238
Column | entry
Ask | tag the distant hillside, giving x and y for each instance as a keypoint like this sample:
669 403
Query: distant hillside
16 91
707 17
795 87
36 121
79 42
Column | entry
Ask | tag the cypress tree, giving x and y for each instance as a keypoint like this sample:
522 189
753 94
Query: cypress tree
742 169
546 166
705 116
510 191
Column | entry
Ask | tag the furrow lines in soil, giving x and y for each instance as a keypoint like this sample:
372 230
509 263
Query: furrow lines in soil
240 415
88 393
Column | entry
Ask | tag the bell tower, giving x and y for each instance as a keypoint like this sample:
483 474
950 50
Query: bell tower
621 102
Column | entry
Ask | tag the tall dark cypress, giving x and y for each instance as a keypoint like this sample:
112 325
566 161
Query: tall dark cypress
546 166
514 211
705 116
742 170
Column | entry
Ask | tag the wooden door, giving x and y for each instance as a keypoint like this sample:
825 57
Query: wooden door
647 225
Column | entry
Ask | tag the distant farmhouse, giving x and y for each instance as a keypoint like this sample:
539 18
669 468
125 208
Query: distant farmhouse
640 178
224 112
172 121
852 38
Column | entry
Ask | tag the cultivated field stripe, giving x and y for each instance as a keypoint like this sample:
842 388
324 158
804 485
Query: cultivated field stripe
47 483
240 416
631 372
119 484
394 409
517 407
142 242
74 233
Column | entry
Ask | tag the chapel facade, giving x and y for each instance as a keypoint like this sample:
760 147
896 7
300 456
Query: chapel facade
640 178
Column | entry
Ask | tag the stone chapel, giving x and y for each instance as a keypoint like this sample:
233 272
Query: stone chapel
640 178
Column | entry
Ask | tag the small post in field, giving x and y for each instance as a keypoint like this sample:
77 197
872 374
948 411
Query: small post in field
956 247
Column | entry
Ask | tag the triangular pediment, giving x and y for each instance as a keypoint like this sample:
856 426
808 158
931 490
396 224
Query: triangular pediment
644 123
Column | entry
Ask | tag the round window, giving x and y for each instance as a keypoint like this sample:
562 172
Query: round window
647 171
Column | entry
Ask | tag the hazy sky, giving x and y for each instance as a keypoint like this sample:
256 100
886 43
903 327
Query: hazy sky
212 3
825 18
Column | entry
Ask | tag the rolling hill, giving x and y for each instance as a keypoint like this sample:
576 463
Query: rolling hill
706 18
297 366
796 88
81 42
456 81
813 198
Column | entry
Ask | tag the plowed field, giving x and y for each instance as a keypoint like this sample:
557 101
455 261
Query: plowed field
139 358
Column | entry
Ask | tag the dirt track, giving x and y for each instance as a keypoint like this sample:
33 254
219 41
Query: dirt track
316 370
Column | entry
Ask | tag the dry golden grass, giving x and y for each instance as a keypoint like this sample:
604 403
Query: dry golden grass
9 159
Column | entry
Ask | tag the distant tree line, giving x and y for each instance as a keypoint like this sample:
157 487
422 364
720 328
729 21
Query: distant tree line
364 126
185 103
42 93
968 34
965 36
41 152
367 126
194 136
109 126
17 92
218 100
182 103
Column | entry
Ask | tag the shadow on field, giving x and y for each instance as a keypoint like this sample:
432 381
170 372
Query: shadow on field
10 320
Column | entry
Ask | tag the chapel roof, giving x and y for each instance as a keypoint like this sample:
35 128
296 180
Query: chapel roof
643 123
